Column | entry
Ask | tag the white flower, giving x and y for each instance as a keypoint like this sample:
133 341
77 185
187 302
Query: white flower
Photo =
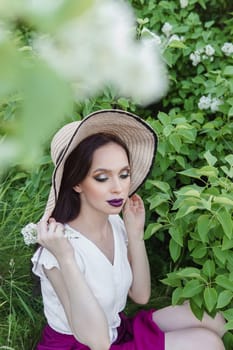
209 50
167 29
43 6
29 233
99 48
183 3
215 103
204 102
227 49
150 38
195 58
175 37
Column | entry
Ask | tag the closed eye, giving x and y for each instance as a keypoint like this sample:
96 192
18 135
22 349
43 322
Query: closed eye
124 175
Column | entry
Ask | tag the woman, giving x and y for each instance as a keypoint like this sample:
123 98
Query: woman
90 259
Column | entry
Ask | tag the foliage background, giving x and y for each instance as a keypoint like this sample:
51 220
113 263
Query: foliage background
189 197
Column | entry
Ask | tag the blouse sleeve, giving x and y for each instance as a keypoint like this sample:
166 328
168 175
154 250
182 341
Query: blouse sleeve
43 258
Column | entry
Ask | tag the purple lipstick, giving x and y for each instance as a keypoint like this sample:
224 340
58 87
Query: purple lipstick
116 202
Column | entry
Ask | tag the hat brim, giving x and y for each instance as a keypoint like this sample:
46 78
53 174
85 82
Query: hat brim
138 136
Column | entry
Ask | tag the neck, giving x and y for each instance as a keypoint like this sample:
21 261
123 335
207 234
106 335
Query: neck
97 227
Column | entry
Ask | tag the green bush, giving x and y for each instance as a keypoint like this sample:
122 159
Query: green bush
190 192
189 197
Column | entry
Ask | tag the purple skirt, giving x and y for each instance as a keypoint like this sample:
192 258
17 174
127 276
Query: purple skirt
137 333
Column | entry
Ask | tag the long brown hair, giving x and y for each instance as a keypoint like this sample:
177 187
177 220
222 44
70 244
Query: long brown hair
76 169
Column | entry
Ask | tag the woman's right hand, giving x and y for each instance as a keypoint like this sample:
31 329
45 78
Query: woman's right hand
51 236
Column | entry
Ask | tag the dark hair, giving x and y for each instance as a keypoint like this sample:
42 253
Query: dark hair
76 169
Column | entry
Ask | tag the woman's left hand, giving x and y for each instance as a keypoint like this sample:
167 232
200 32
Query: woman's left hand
134 216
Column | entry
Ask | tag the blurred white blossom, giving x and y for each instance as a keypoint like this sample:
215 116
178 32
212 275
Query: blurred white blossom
227 49
204 102
207 102
215 103
4 32
209 50
167 29
150 38
43 6
175 37
195 57
100 48
184 3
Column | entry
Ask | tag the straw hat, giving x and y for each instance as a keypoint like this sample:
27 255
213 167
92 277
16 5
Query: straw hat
138 136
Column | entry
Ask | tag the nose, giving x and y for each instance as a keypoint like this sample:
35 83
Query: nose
116 185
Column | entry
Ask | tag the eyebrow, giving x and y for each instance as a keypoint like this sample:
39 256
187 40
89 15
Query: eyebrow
99 170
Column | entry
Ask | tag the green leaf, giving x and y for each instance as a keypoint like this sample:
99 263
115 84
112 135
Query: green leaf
171 280
164 118
223 281
177 44
227 243
225 220
192 172
220 255
224 299
228 70
163 186
175 141
208 171
209 268
197 310
157 199
151 230
229 325
203 222
199 251
228 314
210 298
223 200
174 249
192 288
190 272
177 295
211 160
177 234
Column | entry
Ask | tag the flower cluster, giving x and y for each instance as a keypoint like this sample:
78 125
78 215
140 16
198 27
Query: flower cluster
86 59
29 233
154 39
227 49
207 102
202 54
167 29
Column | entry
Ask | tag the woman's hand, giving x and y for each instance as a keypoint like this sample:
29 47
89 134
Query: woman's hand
134 217
51 236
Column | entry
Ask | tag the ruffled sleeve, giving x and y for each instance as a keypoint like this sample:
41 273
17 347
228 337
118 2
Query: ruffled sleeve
43 258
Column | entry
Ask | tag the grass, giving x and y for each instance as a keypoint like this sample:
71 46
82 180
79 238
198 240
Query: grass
22 199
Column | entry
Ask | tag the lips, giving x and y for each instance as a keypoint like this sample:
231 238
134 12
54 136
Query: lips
116 202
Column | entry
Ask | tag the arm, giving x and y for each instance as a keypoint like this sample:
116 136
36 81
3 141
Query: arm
134 219
85 316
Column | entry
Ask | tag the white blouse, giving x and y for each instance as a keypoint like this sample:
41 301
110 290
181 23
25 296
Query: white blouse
109 283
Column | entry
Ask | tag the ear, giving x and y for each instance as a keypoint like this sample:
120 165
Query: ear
77 188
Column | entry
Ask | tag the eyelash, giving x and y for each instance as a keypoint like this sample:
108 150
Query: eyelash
122 176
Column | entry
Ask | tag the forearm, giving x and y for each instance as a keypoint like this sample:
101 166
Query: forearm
141 286
87 319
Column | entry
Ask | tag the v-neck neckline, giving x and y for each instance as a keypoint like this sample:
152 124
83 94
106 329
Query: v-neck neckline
112 263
